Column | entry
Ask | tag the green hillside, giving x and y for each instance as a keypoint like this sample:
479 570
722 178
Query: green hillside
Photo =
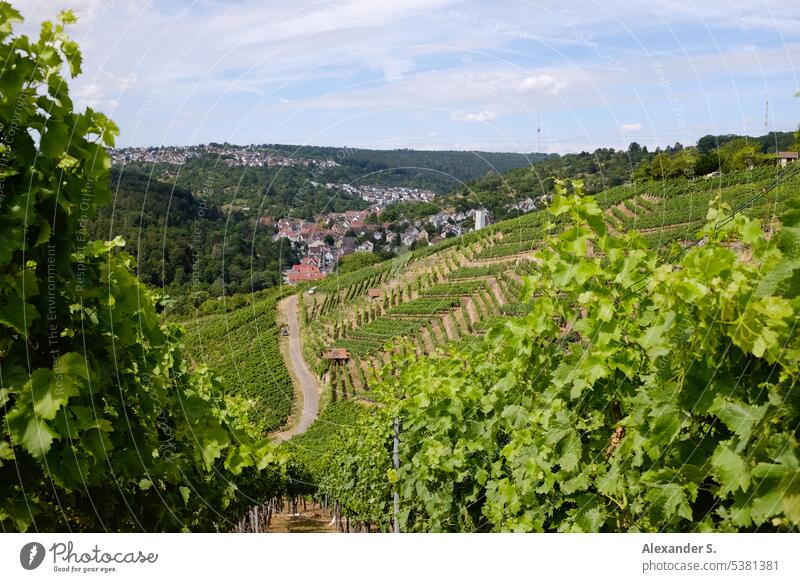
550 377
448 293
438 170
607 168
242 348
300 190
185 244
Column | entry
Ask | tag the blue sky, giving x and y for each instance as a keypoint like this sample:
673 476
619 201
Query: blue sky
436 74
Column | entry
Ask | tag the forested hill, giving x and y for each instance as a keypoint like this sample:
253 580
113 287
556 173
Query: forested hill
601 169
299 188
180 241
606 168
441 171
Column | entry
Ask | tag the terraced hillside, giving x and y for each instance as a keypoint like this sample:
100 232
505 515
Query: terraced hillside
673 210
440 295
450 292
455 290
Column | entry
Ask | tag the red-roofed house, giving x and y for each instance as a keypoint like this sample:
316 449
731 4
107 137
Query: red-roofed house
307 271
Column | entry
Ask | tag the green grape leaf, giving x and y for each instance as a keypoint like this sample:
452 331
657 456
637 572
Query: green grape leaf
729 469
740 418
55 139
212 442
589 515
37 438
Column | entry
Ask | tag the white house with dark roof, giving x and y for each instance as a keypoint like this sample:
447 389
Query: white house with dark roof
786 158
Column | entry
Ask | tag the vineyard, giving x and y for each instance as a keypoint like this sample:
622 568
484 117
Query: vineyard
373 336
506 250
625 436
480 271
431 299
626 362
337 290
442 294
456 289
673 210
425 306
242 347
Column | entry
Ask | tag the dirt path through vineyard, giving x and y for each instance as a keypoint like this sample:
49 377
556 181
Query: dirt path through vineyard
299 370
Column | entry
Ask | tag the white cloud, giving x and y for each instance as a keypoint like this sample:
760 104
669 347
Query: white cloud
262 67
630 127
541 84
480 117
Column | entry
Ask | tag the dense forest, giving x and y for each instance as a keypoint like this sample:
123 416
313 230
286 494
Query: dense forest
440 171
294 191
299 191
187 246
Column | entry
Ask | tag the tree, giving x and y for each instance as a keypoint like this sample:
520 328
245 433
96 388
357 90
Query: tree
103 424
683 162
740 154
709 143
746 157
706 164
661 166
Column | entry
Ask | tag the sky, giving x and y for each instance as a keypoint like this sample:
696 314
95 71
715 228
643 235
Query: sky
435 74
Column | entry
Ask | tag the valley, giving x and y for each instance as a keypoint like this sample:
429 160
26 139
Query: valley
280 338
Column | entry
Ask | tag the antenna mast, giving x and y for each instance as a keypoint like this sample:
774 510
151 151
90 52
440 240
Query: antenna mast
766 117
538 135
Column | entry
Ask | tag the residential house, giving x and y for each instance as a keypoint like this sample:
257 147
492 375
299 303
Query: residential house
786 158
440 219
303 272
451 230
346 245
482 219
410 236
523 206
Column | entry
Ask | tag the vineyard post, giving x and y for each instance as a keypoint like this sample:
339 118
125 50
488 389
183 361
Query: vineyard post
396 463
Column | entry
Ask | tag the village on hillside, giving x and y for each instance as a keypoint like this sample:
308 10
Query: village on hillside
323 242
381 195
229 155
